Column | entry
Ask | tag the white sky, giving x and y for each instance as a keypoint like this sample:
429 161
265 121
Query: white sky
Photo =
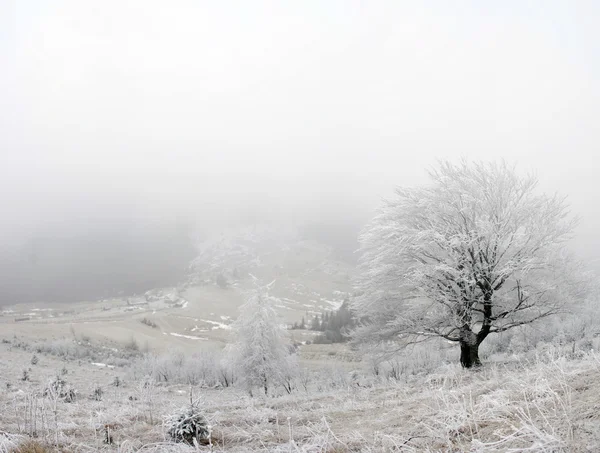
181 106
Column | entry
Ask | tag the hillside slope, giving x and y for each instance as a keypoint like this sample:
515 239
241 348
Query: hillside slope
305 275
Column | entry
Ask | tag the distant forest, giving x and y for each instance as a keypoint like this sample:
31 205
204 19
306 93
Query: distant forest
333 325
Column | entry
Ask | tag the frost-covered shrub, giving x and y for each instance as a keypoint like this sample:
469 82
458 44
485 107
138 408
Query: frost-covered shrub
178 367
149 323
97 393
226 374
144 366
55 386
419 359
200 369
188 424
58 388
65 348
70 395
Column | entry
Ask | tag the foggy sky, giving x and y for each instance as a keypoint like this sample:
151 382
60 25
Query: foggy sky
211 112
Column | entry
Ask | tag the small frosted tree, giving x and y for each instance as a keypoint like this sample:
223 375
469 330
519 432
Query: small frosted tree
261 354
476 252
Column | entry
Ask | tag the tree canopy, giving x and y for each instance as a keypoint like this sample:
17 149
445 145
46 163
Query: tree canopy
476 251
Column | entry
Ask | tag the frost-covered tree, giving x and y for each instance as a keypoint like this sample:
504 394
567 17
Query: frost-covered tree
475 252
261 354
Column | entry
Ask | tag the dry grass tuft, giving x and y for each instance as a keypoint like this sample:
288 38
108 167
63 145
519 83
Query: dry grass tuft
31 446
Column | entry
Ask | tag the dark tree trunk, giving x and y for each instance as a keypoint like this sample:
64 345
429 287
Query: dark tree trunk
469 348
469 355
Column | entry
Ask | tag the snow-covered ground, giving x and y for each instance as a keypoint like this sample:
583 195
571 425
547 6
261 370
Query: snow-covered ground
545 405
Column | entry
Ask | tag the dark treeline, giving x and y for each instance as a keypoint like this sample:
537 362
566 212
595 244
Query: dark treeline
333 325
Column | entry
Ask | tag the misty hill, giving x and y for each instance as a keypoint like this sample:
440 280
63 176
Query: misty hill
307 275
126 260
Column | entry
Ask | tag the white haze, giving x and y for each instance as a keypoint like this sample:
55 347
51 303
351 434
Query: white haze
190 115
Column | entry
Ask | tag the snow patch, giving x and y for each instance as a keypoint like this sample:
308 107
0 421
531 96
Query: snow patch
216 324
198 329
189 337
102 365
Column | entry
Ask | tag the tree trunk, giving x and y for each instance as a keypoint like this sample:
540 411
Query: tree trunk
469 355
469 348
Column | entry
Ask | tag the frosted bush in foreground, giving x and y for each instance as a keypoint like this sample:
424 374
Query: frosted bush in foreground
188 425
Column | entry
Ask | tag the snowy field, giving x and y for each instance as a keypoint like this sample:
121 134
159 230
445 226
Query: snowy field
543 402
